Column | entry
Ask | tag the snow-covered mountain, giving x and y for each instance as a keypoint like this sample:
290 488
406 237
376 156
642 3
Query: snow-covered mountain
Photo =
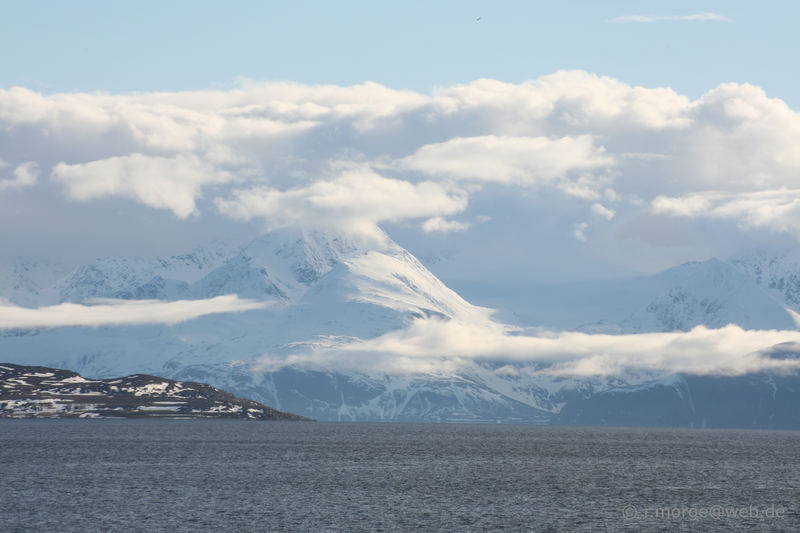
325 286
777 272
711 293
28 281
135 278
328 289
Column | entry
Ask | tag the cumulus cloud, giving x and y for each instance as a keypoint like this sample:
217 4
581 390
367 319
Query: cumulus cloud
167 183
525 161
742 141
695 17
25 175
357 197
107 312
563 103
265 150
774 209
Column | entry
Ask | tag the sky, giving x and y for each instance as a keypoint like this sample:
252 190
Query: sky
91 46
528 141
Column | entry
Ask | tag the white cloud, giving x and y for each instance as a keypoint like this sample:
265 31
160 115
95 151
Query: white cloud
441 225
602 211
441 347
106 312
578 231
565 102
356 197
259 148
773 209
25 175
525 161
166 183
696 17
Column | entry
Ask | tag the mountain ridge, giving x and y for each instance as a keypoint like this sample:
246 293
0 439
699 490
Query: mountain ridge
330 290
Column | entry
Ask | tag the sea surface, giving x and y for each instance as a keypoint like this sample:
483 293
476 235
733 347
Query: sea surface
159 475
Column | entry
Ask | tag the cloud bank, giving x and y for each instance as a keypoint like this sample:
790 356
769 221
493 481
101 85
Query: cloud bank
368 154
445 347
110 312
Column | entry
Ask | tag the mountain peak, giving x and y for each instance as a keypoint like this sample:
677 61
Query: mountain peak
304 255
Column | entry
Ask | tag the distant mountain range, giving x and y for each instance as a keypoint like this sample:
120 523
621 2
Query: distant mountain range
327 288
41 392
711 293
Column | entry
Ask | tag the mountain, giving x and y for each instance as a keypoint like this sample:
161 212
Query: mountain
324 286
136 279
778 272
41 392
711 293
329 291
28 281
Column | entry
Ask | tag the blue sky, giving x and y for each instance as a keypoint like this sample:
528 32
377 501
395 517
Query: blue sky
54 46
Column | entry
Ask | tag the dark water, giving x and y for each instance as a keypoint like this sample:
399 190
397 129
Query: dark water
150 475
